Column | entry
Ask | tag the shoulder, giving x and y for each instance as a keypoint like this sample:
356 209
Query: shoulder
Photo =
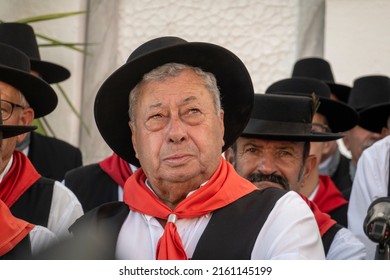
41 237
51 141
346 245
86 170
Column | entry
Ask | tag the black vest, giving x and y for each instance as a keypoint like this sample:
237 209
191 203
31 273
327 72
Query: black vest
22 251
92 186
34 205
230 234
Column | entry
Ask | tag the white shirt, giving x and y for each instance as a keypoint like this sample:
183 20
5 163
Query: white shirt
345 245
41 238
370 183
65 207
290 232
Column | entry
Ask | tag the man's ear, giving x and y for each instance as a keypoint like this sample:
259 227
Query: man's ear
346 140
311 163
26 118
133 140
229 155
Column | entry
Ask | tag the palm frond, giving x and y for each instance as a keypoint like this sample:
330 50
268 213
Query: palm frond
83 124
49 17
55 42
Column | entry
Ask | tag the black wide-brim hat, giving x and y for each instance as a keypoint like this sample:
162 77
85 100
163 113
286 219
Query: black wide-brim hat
22 37
339 115
233 80
15 70
374 118
319 68
284 117
15 130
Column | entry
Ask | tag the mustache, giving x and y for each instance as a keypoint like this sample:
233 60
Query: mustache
259 177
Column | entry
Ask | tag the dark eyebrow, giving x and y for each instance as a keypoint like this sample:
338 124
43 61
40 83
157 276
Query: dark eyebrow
189 99
157 105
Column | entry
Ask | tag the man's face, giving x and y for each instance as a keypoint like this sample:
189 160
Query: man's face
269 163
18 117
178 135
357 140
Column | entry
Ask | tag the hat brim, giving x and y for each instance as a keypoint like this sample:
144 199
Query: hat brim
257 129
39 94
374 118
50 72
15 130
339 115
112 100
340 91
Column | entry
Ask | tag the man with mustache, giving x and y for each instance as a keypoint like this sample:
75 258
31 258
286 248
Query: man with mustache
273 151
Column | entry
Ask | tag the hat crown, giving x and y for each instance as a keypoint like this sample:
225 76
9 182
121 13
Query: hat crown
313 67
11 57
282 108
300 86
368 91
20 36
154 45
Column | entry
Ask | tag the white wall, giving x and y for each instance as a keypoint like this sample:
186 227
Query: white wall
267 35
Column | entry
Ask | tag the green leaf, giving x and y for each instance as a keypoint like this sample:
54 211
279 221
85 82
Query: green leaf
83 124
49 17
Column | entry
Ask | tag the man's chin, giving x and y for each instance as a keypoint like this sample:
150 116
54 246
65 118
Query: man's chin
267 184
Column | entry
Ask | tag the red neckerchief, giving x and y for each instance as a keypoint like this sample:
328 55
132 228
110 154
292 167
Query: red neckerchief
21 176
324 221
224 187
12 229
328 197
117 168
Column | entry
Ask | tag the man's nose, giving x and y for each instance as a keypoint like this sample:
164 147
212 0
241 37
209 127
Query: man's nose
266 164
177 131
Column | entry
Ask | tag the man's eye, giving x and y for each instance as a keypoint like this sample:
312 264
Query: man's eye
250 150
193 110
156 116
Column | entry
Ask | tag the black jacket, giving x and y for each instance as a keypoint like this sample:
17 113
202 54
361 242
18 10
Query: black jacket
52 157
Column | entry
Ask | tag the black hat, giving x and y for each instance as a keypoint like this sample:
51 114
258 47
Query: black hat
22 37
8 131
339 115
112 99
15 70
319 68
284 118
371 96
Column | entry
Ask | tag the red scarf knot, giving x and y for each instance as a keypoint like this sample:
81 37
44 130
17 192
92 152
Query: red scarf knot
224 187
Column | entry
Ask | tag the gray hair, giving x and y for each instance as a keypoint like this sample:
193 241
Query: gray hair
169 70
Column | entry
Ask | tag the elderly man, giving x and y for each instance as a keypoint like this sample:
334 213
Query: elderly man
177 204
29 196
372 174
367 91
19 239
50 156
333 162
273 150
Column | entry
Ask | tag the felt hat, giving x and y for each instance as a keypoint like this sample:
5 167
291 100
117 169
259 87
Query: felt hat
284 118
112 100
15 71
371 97
8 131
339 115
22 37
319 68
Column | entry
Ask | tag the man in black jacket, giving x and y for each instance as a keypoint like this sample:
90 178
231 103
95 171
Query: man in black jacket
50 156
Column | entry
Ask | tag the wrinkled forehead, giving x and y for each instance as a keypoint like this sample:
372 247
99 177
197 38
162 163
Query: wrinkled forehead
259 142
